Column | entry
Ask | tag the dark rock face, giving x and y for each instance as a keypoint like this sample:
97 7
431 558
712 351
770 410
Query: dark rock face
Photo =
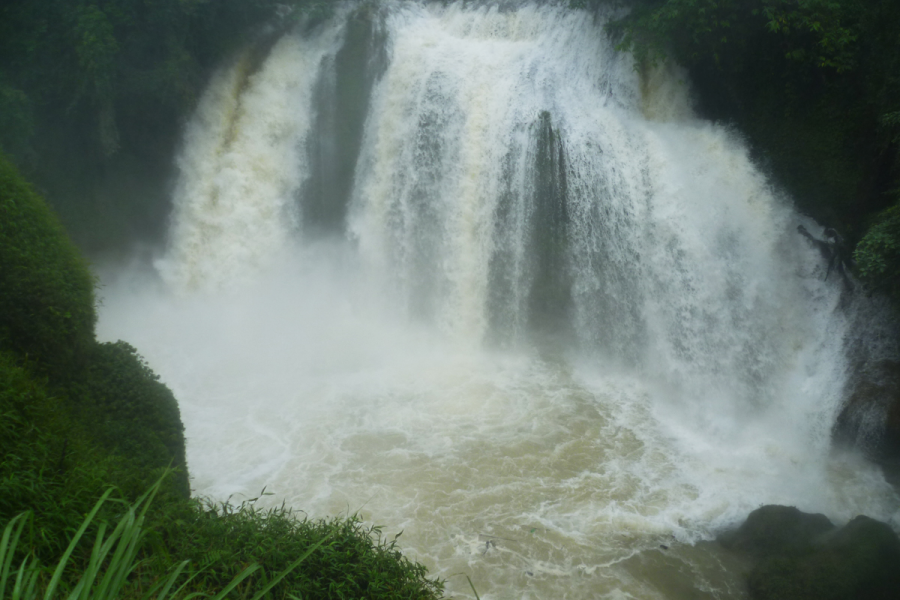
773 529
803 557
871 418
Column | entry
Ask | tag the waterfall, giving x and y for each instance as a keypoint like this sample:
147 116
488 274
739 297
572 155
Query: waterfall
461 267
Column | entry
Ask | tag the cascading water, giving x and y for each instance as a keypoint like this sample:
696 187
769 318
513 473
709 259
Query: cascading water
460 268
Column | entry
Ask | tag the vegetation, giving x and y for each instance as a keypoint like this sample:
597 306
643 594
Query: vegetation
878 254
93 94
113 560
47 304
239 552
78 416
814 86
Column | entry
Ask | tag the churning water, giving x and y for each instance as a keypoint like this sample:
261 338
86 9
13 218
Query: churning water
460 268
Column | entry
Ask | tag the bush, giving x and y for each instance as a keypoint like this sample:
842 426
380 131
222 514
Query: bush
47 304
48 463
135 415
878 254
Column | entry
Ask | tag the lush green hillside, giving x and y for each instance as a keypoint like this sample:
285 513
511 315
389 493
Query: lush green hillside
78 416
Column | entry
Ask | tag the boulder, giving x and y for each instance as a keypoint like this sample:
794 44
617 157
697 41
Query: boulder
803 557
777 530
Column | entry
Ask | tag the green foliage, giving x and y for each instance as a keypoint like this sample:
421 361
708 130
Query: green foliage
62 395
133 413
108 573
47 304
820 32
878 254
183 549
48 463
96 49
356 563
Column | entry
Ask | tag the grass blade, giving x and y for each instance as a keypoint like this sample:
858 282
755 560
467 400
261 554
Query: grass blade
290 568
54 581
168 583
236 581
472 585
25 576
8 544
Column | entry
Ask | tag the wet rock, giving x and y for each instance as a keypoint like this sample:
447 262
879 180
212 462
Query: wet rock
803 557
782 530
870 420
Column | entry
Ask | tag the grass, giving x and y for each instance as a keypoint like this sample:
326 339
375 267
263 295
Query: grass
113 559
230 552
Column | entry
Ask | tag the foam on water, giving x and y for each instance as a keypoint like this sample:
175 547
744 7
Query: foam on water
567 322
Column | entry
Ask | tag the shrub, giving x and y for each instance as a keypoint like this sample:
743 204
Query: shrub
47 300
135 415
48 463
878 254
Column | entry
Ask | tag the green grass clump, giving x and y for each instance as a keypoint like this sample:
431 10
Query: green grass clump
210 552
356 563
109 572
48 463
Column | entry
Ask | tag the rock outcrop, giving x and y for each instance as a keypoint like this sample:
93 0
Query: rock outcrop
800 556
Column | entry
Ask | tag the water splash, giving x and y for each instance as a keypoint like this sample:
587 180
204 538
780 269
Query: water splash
550 309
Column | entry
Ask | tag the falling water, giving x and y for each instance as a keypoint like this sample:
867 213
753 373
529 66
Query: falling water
458 267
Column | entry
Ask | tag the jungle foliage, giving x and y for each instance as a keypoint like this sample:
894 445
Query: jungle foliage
93 94
815 87
78 416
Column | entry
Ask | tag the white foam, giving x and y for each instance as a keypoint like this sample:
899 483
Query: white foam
356 374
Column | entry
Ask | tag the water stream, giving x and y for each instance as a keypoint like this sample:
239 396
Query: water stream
458 267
